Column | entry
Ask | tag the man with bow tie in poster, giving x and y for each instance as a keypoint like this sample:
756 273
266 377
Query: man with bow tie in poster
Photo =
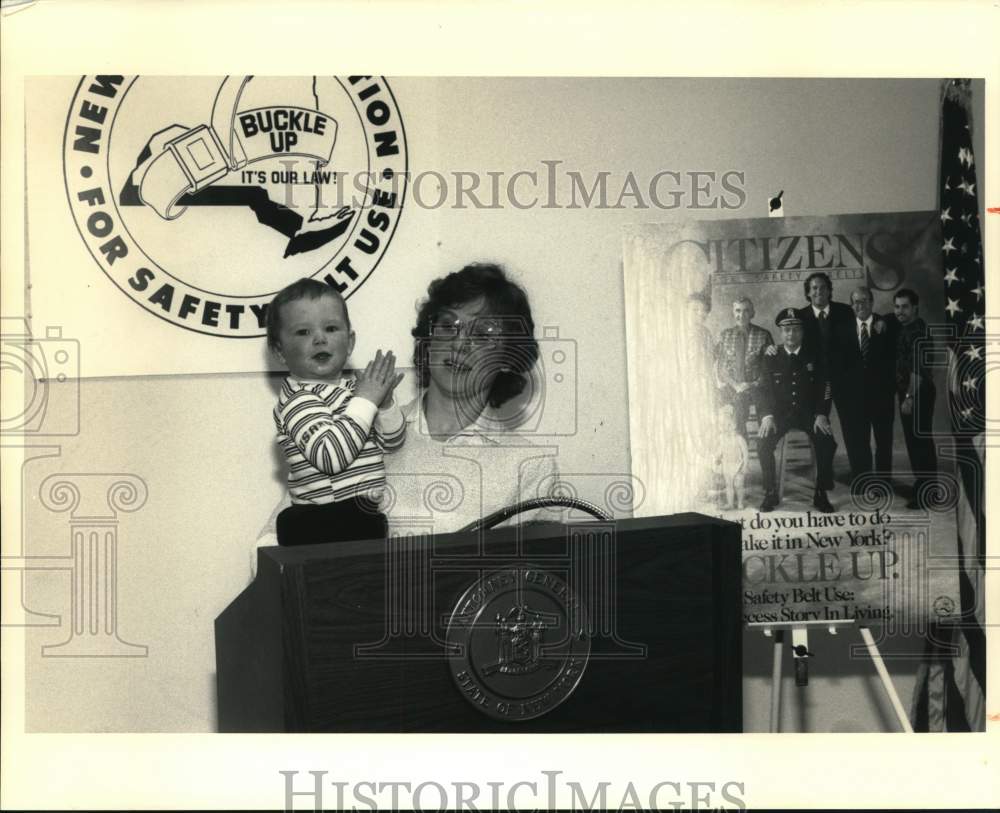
795 394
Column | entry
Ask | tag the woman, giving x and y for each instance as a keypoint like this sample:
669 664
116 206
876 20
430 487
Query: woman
463 457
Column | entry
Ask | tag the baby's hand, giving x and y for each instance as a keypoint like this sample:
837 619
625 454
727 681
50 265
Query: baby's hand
379 379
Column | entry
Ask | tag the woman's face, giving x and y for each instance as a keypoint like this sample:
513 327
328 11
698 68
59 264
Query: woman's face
466 351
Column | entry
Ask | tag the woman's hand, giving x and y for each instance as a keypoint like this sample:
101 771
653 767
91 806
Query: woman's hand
379 379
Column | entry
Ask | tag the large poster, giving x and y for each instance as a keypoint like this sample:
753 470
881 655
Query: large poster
742 408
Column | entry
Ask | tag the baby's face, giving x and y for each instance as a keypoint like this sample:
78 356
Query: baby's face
315 338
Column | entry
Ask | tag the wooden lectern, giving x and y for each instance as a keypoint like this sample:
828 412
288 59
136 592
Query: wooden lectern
622 626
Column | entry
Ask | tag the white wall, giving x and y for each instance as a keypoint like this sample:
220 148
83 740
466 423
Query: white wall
204 445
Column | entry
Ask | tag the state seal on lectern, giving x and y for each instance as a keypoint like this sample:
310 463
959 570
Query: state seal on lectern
519 643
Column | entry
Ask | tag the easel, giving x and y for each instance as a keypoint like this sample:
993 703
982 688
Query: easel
800 652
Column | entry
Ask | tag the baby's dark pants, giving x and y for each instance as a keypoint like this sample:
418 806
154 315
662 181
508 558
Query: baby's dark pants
355 518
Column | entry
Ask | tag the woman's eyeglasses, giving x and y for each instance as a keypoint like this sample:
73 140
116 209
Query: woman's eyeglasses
481 329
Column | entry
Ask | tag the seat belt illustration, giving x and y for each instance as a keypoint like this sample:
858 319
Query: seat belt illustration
181 160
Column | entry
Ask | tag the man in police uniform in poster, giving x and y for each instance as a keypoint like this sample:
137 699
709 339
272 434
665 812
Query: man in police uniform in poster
795 394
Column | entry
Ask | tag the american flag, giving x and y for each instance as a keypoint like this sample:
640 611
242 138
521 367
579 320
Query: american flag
951 683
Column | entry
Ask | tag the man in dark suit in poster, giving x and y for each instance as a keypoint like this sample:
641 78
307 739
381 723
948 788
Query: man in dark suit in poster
867 385
829 331
827 326
916 394
795 394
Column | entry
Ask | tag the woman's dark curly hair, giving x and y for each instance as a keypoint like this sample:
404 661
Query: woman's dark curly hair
505 300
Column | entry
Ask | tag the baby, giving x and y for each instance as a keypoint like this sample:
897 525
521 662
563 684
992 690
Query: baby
732 457
331 429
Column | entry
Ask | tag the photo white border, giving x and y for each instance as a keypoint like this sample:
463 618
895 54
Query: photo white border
896 39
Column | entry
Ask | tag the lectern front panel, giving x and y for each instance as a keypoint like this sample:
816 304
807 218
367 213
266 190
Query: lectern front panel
628 626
